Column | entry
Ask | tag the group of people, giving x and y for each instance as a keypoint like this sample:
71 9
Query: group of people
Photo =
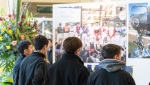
110 32
34 67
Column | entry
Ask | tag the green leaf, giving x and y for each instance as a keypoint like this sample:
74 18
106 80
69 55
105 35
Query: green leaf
4 54
27 14
18 32
31 15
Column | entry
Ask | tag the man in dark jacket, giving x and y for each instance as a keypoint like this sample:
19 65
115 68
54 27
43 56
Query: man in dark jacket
110 72
69 70
33 68
25 48
50 53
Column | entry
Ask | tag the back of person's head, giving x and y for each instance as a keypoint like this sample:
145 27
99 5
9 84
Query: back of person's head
40 41
22 45
109 51
72 44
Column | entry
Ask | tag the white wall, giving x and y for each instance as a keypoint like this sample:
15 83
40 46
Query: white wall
3 5
141 70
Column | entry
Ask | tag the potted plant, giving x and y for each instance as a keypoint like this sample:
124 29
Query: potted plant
14 28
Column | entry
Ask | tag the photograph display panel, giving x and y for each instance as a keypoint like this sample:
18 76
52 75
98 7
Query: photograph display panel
95 25
139 30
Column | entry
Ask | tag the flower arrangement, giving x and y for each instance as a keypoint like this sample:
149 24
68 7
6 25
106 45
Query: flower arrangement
11 32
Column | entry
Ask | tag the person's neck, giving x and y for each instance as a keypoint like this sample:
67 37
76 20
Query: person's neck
51 48
24 54
40 51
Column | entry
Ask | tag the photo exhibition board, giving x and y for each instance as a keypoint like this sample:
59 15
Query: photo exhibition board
97 24
139 40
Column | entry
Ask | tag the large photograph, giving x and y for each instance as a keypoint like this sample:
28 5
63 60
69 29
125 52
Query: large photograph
139 30
105 24
96 26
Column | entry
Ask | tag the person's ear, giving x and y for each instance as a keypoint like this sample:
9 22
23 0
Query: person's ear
25 51
116 57
46 47
78 51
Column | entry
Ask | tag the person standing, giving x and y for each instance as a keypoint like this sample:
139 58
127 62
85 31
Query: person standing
84 32
72 31
117 34
33 68
69 70
25 49
50 52
59 32
91 34
111 33
123 34
97 31
78 30
110 72
104 34
66 29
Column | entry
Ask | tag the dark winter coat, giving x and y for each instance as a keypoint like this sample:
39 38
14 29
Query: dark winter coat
16 69
33 70
111 74
69 70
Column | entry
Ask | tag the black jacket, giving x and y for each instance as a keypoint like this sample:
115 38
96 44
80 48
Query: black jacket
16 69
33 70
69 70
102 77
110 74
50 56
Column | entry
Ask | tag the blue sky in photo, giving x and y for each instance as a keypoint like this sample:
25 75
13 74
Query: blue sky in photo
136 10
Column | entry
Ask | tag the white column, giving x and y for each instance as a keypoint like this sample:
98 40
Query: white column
11 5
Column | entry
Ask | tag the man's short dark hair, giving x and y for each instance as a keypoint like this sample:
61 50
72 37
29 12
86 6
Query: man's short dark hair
40 41
22 45
105 23
71 44
118 23
123 23
110 50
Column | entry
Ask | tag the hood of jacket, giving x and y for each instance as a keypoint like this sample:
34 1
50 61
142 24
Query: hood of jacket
111 65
